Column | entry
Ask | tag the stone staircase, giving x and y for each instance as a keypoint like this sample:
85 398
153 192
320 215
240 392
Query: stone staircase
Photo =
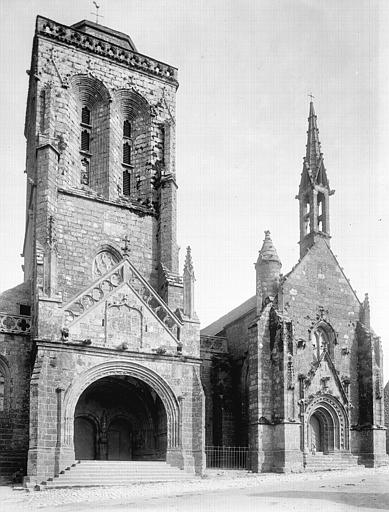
94 473
330 461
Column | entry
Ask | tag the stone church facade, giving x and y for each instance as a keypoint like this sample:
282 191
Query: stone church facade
100 346
100 350
295 372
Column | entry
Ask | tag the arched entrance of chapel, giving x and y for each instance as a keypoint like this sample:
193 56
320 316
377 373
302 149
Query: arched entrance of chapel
121 410
327 426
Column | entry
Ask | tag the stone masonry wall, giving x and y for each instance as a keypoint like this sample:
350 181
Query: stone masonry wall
16 363
58 367
318 290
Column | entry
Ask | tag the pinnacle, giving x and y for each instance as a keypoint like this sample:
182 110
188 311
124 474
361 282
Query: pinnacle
188 265
268 251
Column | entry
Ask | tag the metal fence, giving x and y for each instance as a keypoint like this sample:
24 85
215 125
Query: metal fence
227 457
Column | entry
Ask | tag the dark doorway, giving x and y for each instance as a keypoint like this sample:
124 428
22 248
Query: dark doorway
85 438
119 440
316 434
120 418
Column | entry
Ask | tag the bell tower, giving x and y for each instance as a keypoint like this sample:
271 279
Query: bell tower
314 190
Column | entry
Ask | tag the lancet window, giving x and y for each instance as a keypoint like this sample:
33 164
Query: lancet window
127 156
85 140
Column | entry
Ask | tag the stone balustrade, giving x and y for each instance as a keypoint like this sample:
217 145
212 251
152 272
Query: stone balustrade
93 44
15 324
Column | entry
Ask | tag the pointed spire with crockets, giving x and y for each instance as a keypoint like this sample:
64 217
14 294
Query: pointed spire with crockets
314 190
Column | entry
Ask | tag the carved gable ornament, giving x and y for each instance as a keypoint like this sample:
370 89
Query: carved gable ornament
103 263
124 323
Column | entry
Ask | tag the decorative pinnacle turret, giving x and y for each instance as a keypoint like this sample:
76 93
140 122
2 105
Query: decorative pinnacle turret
188 265
188 281
268 251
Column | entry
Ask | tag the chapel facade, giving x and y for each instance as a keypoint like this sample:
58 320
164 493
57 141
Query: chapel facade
100 350
295 373
100 346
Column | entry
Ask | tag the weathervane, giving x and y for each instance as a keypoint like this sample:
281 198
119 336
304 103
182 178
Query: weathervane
97 12
311 96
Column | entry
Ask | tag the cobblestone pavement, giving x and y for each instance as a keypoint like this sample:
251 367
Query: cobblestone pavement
336 491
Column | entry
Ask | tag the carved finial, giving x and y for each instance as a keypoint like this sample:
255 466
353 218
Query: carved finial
188 266
268 251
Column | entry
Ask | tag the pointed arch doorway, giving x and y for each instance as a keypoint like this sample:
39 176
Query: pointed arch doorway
327 426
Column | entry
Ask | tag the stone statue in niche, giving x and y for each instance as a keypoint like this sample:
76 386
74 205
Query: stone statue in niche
124 324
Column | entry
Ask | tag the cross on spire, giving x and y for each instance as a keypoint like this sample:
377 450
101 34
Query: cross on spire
311 96
97 12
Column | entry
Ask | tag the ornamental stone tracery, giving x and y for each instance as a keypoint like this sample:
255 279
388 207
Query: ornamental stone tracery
103 263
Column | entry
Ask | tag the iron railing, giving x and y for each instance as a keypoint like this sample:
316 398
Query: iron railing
227 457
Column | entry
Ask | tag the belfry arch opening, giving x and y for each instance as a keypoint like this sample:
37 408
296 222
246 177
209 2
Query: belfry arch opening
120 418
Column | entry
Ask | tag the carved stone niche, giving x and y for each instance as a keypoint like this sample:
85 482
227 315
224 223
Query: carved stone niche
124 324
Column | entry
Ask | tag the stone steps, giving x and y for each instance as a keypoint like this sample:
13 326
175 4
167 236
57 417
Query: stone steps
111 473
331 461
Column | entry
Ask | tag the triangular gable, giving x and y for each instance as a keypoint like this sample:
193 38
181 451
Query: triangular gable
123 274
322 369
323 243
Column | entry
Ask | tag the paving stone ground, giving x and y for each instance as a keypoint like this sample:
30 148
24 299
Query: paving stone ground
362 489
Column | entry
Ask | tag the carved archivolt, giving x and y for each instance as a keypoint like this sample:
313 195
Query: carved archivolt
122 367
336 416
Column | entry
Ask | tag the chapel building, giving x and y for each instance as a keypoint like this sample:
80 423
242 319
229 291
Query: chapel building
100 346
101 357
295 373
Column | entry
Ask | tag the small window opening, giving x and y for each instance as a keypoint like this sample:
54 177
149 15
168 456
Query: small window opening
85 116
126 183
126 153
85 171
24 310
127 129
85 140
320 225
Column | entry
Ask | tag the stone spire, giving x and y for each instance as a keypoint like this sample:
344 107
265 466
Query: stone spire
189 280
267 268
314 190
313 154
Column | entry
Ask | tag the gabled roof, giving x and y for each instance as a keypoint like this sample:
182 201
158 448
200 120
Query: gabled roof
240 311
319 239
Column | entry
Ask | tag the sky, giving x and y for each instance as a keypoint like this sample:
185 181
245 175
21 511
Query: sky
246 68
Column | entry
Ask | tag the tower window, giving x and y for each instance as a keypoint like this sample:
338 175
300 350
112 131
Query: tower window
25 310
126 182
127 129
126 153
85 171
85 116
85 140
